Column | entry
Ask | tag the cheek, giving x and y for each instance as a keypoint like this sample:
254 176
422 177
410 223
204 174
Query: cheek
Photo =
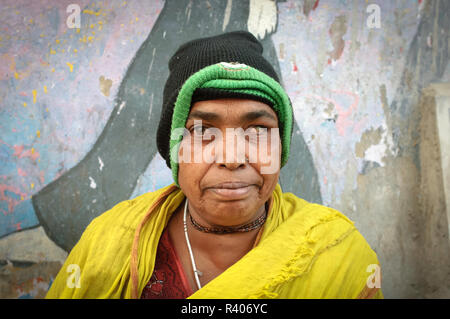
189 178
270 181
267 165
187 174
265 156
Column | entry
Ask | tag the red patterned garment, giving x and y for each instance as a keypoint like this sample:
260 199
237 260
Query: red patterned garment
168 280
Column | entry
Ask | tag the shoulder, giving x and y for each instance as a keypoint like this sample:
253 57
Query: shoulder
341 254
116 226
317 213
126 214
324 220
345 256
103 251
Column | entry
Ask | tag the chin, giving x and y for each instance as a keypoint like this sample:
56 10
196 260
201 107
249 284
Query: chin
233 213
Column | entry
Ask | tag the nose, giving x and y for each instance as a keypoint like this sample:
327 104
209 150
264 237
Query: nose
234 151
232 165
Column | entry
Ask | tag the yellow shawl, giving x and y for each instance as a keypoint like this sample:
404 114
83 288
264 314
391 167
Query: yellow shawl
304 251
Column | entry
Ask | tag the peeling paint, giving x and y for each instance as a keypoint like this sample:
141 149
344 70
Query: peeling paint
92 185
100 162
105 85
369 138
337 31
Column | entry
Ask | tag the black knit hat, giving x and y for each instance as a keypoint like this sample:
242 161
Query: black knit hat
240 46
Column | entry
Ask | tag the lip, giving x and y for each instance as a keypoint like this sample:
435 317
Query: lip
231 190
231 185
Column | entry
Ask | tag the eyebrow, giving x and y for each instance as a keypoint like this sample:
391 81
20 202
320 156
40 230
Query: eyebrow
249 116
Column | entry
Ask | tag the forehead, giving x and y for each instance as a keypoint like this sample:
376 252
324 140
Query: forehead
230 109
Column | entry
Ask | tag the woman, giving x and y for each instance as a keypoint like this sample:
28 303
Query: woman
65 216
224 229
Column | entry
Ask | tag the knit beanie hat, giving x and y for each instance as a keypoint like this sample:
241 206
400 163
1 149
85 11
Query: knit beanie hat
229 65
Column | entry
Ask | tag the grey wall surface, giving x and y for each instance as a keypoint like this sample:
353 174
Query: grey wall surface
79 110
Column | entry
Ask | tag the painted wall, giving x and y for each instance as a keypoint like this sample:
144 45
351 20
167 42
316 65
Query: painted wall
71 100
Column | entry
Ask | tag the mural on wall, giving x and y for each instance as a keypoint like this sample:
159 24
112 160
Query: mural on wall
79 109
109 172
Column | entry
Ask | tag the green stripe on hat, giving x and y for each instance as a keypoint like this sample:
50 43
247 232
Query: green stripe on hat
238 78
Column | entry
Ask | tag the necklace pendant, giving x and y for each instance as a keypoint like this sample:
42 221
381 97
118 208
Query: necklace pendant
199 272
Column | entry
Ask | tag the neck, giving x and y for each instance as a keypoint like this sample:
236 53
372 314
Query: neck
255 224
222 250
225 249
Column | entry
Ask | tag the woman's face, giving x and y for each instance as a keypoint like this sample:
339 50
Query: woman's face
230 160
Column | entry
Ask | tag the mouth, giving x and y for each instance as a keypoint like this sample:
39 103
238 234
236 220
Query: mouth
232 190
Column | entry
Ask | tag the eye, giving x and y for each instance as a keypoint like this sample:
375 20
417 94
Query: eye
198 129
257 129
